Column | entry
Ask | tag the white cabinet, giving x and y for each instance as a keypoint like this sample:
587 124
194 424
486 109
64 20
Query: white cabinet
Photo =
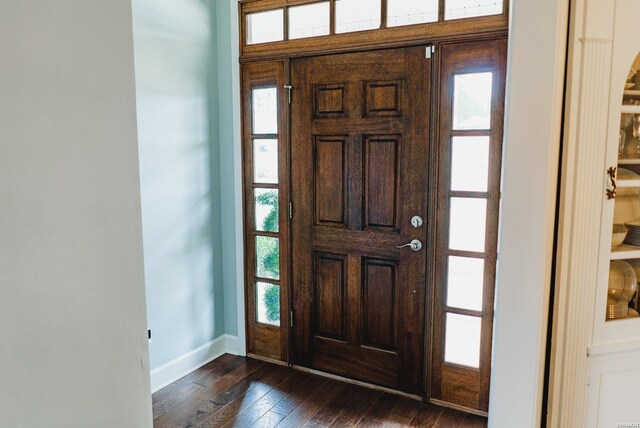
595 378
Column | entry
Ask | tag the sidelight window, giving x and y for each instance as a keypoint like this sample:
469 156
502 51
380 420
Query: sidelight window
264 137
470 152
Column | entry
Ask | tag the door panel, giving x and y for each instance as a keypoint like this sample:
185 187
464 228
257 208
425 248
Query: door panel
359 140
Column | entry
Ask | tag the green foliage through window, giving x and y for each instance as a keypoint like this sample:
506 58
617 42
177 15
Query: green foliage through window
272 302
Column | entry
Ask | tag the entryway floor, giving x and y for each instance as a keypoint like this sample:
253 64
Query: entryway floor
236 391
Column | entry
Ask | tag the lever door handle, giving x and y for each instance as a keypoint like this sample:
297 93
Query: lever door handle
415 245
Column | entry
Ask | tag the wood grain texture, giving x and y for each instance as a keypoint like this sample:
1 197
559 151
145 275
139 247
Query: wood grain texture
371 184
235 391
262 339
466 386
377 38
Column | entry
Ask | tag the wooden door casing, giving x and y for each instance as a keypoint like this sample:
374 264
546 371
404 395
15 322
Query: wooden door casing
264 340
359 144
462 386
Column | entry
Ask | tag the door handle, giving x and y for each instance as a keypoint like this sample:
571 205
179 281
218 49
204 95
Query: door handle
415 245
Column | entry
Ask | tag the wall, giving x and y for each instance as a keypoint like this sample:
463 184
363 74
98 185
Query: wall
230 166
533 119
72 314
176 85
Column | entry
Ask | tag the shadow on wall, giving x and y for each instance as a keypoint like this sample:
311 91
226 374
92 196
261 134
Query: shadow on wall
176 78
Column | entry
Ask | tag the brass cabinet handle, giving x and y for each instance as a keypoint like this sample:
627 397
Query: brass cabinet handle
611 193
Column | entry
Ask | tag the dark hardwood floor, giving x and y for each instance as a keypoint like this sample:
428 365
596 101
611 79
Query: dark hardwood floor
236 391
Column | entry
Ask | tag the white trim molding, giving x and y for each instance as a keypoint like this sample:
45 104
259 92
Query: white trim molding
533 127
580 218
170 372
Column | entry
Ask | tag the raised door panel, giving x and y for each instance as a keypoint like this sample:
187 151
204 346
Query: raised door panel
330 284
380 303
383 98
329 100
381 182
330 172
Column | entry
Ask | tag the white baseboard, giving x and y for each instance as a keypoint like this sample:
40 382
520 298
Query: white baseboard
168 373
233 344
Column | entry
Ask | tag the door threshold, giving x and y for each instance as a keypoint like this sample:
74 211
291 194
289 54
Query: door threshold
267 359
358 382
460 408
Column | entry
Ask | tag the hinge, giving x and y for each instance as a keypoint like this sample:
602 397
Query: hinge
429 51
290 209
291 318
288 88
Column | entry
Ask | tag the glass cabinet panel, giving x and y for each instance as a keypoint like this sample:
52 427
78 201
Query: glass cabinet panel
624 267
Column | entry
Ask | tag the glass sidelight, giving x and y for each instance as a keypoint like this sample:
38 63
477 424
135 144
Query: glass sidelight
264 121
470 151
266 230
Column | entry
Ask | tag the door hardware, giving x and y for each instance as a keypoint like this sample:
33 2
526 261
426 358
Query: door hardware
415 245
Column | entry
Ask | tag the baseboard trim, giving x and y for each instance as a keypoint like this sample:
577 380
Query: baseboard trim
170 372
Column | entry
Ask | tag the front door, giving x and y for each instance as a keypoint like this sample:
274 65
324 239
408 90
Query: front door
359 143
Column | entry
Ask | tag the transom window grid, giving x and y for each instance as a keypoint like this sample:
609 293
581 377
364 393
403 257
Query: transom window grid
332 17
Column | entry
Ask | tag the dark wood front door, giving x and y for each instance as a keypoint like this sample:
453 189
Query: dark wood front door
359 141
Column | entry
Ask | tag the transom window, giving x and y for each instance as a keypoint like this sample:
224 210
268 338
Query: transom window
302 19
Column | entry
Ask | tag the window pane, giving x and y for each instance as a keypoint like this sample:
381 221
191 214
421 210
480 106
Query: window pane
268 303
464 283
265 161
455 9
462 340
469 163
263 27
407 12
472 101
357 15
266 210
467 224
264 110
267 257
309 20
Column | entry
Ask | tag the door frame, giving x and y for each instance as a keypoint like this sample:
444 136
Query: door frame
432 189
515 395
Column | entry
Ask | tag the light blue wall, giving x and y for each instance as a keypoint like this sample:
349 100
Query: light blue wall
177 103
231 218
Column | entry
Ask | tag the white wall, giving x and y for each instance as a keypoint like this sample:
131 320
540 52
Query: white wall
175 60
73 348
535 77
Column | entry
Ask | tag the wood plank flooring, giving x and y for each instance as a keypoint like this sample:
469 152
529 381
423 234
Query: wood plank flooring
236 391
